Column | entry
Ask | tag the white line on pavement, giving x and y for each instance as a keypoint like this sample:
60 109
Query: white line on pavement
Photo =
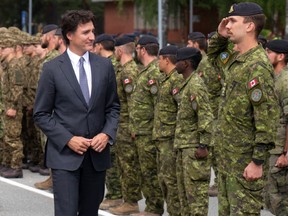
44 193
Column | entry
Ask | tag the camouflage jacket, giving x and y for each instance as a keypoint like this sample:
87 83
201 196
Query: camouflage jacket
249 110
126 77
213 79
115 63
194 117
25 65
12 85
166 106
143 100
281 88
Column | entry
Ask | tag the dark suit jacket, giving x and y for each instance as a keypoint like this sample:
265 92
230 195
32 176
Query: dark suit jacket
61 112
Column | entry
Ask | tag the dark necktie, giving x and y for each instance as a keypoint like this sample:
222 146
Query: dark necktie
83 81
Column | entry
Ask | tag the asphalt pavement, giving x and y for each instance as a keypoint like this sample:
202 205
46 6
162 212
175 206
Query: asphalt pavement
19 197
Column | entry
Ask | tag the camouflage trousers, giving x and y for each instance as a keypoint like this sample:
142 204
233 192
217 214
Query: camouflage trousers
112 180
129 170
146 151
12 141
166 163
31 143
193 181
276 189
238 197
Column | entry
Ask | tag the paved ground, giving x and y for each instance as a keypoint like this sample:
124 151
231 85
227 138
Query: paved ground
18 197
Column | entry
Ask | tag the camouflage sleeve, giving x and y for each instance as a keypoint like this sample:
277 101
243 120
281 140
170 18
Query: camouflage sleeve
200 103
284 96
266 113
218 45
16 85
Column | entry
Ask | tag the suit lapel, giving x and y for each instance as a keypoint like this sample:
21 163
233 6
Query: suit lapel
68 71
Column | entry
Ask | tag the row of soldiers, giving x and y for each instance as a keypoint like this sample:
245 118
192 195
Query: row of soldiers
184 112
171 130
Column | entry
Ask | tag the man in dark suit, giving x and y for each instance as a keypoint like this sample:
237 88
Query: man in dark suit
77 107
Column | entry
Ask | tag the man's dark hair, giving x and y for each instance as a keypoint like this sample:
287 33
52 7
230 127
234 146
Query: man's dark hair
72 19
259 21
108 45
172 58
202 43
152 49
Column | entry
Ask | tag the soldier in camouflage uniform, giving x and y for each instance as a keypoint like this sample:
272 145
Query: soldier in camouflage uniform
164 127
126 151
104 45
192 136
276 192
12 90
144 99
213 78
49 42
248 113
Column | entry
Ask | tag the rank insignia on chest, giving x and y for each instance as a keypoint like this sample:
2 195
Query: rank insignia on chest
224 56
194 102
256 95
253 83
175 91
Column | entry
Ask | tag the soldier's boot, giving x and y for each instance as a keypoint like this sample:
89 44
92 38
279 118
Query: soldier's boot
12 173
3 168
45 185
44 171
213 190
34 168
125 209
145 214
108 203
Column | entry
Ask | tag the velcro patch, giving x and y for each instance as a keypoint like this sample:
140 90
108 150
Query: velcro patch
224 57
256 95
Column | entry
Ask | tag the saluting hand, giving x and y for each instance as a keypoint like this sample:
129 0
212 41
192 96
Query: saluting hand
99 142
79 144
222 30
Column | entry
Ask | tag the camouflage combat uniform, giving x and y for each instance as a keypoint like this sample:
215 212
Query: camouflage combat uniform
126 149
141 119
213 78
163 134
2 154
276 193
112 182
247 120
193 127
12 90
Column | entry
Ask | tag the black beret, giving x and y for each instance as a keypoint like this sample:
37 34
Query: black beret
147 39
104 37
48 28
168 50
210 35
58 32
188 53
278 46
131 35
123 40
245 9
196 35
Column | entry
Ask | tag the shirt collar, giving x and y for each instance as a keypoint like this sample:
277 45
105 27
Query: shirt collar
75 58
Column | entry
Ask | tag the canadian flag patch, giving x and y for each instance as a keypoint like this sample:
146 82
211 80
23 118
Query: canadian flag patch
253 83
127 81
175 91
151 82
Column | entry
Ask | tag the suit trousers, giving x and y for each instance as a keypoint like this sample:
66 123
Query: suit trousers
78 192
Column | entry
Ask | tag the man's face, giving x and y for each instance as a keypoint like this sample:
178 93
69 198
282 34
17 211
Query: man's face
38 49
117 53
139 52
273 57
28 49
44 41
237 29
162 63
82 39
6 51
180 66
